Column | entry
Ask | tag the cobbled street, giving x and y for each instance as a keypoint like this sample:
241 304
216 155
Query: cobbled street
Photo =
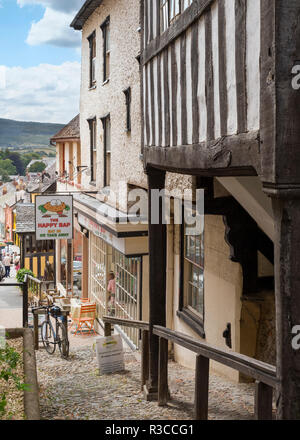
73 390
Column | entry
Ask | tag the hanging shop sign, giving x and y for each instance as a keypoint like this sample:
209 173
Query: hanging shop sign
54 217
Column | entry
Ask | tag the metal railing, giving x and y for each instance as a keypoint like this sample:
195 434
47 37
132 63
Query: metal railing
264 374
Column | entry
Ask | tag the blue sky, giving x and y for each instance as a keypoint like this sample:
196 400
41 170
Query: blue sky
39 60
13 47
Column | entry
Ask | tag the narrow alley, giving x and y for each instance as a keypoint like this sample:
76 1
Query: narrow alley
73 390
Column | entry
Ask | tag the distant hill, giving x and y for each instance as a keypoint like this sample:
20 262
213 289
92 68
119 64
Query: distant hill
23 134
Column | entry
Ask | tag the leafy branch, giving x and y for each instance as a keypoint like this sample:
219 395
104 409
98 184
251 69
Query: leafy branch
9 360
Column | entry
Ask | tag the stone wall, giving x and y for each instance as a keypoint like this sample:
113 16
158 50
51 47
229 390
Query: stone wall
109 98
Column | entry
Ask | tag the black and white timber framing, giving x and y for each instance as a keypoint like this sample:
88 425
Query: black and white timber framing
217 100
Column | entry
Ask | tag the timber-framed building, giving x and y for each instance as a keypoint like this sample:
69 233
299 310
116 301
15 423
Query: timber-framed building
220 103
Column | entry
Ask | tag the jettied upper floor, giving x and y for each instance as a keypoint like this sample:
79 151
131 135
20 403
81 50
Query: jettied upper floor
220 90
221 98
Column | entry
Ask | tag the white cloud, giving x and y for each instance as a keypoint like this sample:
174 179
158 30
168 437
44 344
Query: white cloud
54 28
45 93
58 5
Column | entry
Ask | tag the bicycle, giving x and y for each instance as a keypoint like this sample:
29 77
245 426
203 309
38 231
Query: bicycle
52 337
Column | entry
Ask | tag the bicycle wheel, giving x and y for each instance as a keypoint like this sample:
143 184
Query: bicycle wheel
62 339
48 337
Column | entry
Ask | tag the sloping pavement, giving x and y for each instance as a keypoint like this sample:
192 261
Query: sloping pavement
10 304
73 390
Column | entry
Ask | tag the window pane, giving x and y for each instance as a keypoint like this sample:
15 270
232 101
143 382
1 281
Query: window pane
186 3
107 61
94 136
194 272
108 144
165 15
107 38
196 289
174 8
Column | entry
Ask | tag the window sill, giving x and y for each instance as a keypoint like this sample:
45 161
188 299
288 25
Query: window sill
93 87
105 82
192 321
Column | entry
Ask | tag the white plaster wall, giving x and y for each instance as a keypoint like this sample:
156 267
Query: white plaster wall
201 82
253 63
215 56
178 103
222 292
189 99
230 66
109 98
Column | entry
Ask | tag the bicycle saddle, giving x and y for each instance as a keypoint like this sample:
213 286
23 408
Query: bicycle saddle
55 311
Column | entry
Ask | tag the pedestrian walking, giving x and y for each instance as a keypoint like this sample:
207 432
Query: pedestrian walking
112 292
17 262
7 262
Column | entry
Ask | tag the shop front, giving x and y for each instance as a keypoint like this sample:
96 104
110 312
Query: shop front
70 264
118 264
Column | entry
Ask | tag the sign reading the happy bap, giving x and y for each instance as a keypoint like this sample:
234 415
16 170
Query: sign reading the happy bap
54 217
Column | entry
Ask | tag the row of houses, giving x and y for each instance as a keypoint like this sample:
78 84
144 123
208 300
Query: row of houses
186 95
17 225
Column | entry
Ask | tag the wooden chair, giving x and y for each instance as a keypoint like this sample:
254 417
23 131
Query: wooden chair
86 318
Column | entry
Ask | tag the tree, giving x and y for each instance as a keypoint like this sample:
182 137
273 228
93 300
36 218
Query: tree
4 176
28 157
7 167
37 167
17 160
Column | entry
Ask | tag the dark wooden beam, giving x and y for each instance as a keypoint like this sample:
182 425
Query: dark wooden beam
250 367
263 401
186 19
163 372
280 102
241 234
157 279
229 155
240 62
287 288
201 387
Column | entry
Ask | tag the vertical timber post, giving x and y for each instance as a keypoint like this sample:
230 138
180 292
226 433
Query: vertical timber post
69 272
280 174
263 401
201 387
107 329
287 289
25 304
163 372
85 266
36 330
145 358
157 275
